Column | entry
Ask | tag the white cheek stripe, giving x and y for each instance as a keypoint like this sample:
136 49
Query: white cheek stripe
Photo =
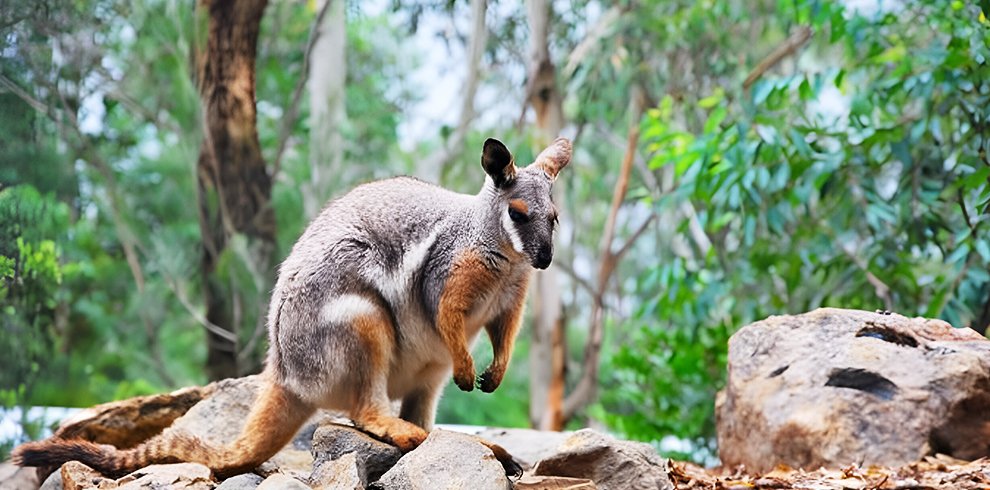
346 308
510 229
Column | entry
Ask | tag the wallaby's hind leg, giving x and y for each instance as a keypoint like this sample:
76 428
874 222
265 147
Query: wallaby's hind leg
275 417
371 409
420 406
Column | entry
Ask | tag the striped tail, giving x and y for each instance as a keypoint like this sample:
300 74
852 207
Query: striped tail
274 419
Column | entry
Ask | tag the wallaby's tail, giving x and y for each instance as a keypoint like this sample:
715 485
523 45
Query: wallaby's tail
274 419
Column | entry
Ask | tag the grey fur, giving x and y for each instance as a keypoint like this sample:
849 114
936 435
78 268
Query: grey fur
388 246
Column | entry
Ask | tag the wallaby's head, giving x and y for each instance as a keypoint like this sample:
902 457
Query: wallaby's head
522 197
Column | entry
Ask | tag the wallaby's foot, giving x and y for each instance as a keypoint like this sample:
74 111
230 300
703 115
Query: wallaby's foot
391 430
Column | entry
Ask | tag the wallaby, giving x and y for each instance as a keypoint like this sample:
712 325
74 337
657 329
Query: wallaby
379 300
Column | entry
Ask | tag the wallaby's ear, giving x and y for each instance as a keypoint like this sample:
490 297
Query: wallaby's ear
498 162
555 157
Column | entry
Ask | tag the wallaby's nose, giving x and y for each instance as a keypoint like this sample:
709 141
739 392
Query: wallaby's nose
544 257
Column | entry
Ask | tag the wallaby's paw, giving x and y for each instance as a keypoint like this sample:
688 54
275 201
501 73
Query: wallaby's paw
488 381
464 379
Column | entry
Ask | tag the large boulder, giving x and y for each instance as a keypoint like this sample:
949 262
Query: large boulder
446 460
835 387
608 462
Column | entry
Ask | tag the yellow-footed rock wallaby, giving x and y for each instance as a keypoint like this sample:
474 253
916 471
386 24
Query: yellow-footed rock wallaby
379 300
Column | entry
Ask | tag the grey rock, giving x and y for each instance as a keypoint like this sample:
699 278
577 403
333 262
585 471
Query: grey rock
446 460
527 446
344 473
332 441
279 481
834 387
53 482
219 418
247 481
608 462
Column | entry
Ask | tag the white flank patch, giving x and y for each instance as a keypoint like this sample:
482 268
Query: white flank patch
510 229
346 308
395 286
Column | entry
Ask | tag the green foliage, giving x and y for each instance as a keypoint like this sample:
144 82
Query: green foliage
861 182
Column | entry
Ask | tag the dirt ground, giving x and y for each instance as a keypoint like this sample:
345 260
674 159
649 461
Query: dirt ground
937 472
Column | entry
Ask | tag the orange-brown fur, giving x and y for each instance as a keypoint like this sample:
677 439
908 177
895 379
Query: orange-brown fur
468 281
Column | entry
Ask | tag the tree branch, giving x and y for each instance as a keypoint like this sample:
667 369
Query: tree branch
587 385
292 113
794 42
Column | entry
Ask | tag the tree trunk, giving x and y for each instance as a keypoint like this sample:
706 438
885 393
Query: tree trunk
547 352
234 187
327 107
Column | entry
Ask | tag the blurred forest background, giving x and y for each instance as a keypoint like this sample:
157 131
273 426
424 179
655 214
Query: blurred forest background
733 160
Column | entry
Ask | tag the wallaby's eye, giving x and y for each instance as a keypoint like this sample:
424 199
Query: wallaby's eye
518 216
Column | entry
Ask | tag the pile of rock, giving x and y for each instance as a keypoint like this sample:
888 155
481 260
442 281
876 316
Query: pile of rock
327 454
812 401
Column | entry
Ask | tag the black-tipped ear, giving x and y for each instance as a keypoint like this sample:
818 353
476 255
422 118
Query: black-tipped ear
498 162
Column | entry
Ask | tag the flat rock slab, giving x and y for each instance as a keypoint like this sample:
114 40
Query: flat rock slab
610 463
187 476
836 387
127 423
527 446
446 461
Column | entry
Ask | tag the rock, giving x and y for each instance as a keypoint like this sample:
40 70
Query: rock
53 482
77 476
127 423
191 476
834 387
17 478
289 461
344 473
219 418
332 441
247 481
527 446
608 462
533 482
279 481
446 460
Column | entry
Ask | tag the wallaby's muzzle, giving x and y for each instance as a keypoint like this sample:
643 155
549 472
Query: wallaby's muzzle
543 257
